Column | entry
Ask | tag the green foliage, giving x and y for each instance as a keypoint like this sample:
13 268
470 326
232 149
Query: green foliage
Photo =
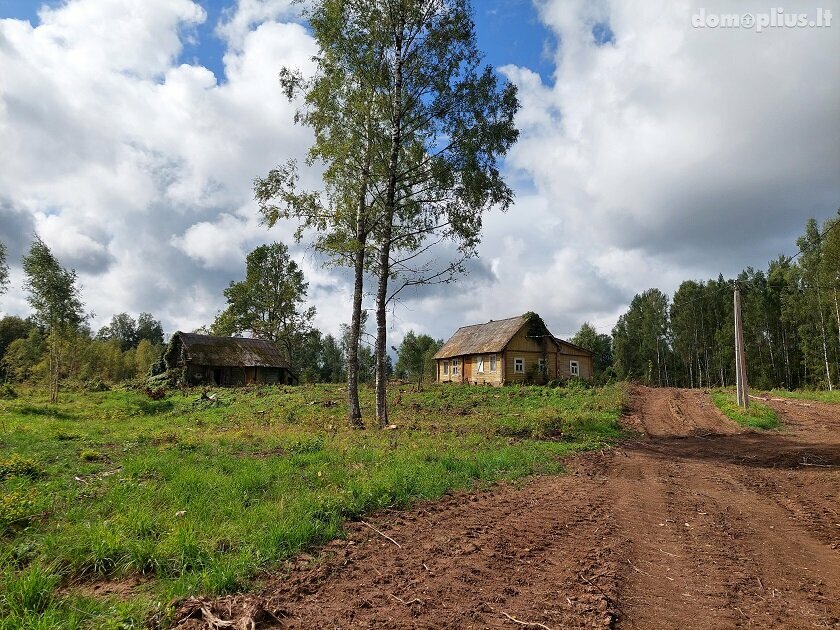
832 397
53 294
11 329
30 592
202 498
414 357
791 317
758 416
17 506
600 344
640 339
58 309
89 455
269 303
23 355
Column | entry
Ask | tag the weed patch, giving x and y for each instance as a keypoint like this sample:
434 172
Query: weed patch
758 416
17 466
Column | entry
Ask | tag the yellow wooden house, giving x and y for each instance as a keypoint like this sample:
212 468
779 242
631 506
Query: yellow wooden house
506 351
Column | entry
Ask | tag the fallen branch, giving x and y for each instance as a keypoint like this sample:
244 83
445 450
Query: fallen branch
416 600
385 536
635 568
528 624
213 621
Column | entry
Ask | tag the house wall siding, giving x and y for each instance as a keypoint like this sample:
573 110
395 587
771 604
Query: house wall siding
531 351
584 365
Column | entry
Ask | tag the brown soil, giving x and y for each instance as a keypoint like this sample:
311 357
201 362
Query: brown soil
695 524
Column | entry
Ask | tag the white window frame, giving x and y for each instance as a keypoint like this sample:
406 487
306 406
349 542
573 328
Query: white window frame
446 368
574 368
456 367
480 364
519 366
493 360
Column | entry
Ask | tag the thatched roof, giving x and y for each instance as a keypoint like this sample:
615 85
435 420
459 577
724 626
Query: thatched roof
230 351
481 338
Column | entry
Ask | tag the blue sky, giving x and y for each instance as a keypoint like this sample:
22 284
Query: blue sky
509 32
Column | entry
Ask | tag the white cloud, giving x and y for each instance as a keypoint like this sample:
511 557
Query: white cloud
137 170
239 20
671 152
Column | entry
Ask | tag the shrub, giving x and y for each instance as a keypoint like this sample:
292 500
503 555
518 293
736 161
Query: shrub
95 384
7 392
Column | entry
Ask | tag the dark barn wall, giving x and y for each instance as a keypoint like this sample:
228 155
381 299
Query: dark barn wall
269 376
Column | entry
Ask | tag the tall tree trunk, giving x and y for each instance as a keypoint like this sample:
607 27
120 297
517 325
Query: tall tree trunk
354 408
786 356
387 231
824 343
837 314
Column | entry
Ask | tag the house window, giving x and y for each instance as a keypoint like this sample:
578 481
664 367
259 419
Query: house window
492 362
574 368
445 368
456 367
480 365
541 364
519 366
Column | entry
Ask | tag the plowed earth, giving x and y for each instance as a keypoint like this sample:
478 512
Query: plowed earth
696 523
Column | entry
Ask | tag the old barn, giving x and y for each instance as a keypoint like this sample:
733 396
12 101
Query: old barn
227 361
514 350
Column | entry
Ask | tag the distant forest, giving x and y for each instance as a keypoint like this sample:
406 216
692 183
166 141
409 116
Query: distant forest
791 317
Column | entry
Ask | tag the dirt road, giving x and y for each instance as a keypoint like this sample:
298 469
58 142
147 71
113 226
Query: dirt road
695 524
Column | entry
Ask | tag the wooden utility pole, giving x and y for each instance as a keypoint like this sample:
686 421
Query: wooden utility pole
740 355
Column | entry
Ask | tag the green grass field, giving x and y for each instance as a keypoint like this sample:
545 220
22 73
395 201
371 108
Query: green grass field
194 496
758 416
800 394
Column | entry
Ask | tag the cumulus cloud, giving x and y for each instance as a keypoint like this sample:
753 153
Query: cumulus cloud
134 168
683 142
656 152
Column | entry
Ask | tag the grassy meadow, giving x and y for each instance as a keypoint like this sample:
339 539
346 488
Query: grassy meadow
158 499
806 394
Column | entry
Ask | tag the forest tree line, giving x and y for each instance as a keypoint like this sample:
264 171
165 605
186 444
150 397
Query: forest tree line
791 315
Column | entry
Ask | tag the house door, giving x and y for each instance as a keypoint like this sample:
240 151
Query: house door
467 363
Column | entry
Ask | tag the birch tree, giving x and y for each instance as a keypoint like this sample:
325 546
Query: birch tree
340 104
409 129
4 269
58 309
449 121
